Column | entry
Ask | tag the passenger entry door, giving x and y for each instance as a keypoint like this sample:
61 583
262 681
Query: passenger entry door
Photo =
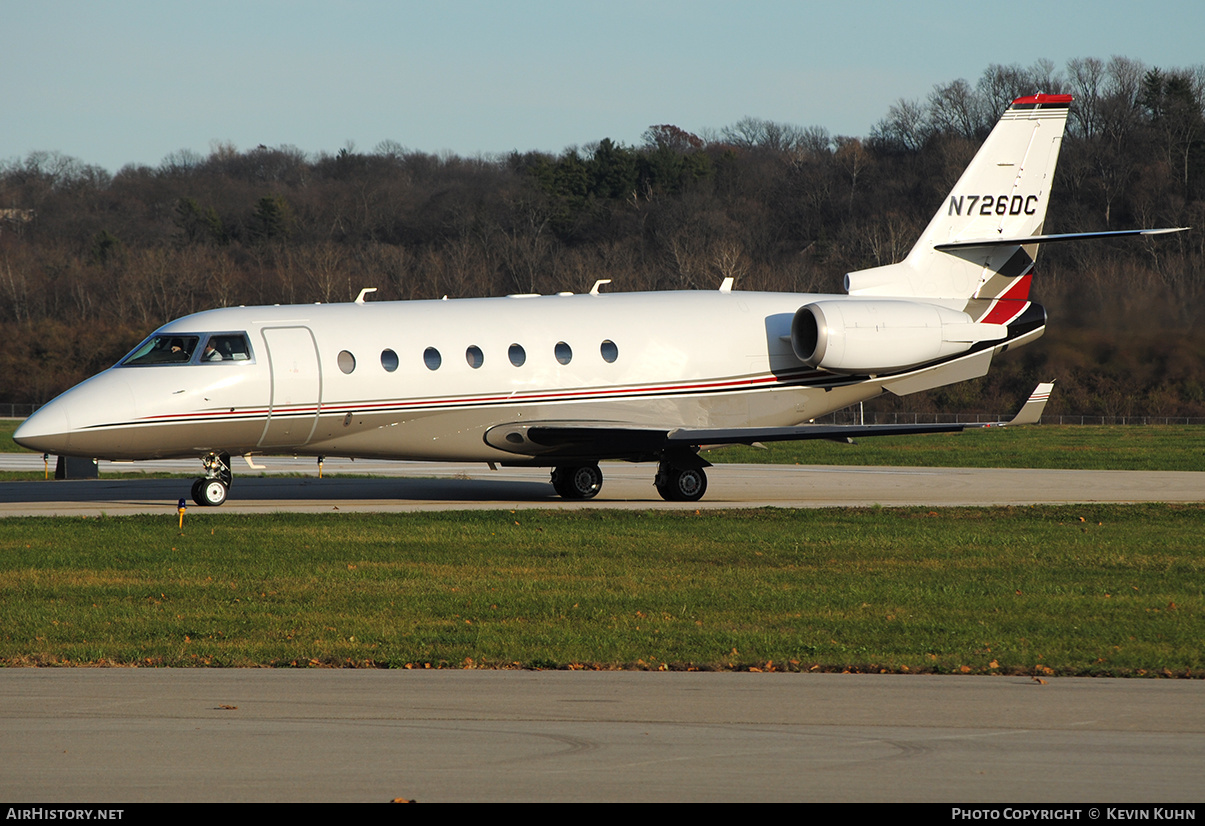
296 393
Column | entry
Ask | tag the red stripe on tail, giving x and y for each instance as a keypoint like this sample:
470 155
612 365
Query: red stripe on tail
1011 303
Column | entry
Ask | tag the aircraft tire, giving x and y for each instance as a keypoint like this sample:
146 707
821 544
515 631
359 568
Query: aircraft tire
578 481
210 492
678 484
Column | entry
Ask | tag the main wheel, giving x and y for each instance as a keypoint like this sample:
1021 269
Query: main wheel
577 482
681 484
209 492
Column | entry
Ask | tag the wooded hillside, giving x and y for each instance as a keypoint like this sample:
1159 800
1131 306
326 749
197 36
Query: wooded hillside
90 262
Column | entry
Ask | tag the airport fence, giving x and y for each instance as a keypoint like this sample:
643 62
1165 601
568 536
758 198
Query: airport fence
17 411
851 416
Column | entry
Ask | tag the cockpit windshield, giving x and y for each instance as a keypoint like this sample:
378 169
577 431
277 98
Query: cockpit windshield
226 347
183 349
163 349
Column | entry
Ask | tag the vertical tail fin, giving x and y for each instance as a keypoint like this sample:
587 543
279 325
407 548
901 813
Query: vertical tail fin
1002 194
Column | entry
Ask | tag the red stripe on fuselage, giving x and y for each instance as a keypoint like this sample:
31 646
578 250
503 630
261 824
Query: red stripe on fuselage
785 379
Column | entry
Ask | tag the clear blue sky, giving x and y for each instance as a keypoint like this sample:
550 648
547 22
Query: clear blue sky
129 82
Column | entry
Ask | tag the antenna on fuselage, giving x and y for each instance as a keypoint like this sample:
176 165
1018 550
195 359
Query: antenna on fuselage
364 292
598 284
726 285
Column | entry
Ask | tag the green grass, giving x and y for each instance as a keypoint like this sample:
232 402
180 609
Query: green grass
7 428
1072 447
1066 590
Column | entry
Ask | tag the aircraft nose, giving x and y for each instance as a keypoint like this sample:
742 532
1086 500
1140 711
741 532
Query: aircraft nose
77 422
48 430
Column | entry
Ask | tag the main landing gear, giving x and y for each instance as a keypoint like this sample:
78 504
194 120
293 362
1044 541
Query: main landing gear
213 488
577 481
675 483
680 484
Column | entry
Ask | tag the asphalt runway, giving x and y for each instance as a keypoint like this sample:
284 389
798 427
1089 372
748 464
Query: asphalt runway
293 485
128 735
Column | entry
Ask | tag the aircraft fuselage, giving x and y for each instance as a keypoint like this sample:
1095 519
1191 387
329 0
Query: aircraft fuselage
428 379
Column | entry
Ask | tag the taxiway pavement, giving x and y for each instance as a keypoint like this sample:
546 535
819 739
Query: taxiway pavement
293 485
128 735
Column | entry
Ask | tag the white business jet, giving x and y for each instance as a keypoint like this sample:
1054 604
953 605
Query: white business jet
566 381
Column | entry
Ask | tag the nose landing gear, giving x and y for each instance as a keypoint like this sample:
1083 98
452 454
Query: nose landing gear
212 489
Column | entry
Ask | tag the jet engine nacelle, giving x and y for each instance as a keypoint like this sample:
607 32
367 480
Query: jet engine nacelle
873 337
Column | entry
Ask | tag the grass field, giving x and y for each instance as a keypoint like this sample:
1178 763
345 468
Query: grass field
1066 590
1042 590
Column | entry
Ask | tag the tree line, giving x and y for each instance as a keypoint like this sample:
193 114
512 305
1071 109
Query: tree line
90 262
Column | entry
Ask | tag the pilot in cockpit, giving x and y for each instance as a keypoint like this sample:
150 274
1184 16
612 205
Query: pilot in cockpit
179 350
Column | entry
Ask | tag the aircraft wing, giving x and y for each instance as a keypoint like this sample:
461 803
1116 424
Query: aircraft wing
803 432
1029 413
564 441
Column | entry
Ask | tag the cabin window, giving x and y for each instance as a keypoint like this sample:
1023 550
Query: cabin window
517 355
346 361
564 353
226 347
163 349
389 360
474 356
609 351
432 358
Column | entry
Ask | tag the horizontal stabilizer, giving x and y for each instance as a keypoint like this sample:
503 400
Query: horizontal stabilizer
1047 239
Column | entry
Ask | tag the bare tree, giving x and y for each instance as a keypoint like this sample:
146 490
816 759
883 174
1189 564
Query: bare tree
1087 79
907 126
957 109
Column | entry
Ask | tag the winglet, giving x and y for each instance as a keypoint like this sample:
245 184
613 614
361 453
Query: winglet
1031 411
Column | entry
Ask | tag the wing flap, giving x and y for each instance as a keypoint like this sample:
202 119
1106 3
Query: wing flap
803 432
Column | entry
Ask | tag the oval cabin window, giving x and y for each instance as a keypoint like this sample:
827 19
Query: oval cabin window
432 358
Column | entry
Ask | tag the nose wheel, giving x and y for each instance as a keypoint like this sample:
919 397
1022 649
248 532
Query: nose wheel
209 492
214 487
